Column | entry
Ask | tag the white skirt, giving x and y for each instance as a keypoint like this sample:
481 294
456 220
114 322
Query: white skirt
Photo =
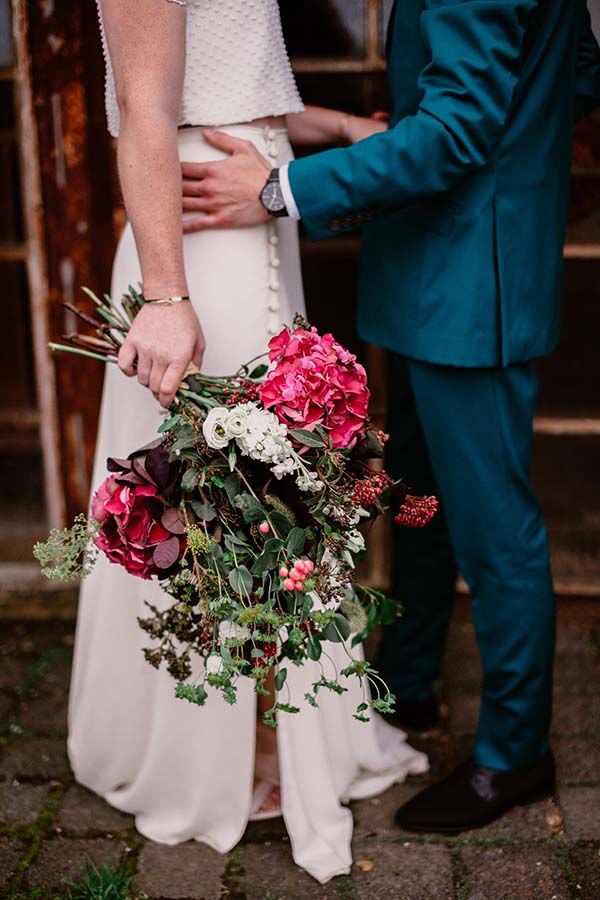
186 773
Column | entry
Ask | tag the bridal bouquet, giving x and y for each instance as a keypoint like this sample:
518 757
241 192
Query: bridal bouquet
249 509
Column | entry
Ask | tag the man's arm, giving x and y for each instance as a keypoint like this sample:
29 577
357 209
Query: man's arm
588 71
475 48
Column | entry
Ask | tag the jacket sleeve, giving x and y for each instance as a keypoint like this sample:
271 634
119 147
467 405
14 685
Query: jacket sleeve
588 71
475 48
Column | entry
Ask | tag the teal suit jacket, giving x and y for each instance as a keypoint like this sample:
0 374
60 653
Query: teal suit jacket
464 199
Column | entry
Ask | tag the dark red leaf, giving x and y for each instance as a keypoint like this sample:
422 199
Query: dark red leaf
166 554
173 520
114 464
157 464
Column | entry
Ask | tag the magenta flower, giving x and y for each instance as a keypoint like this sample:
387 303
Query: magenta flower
316 381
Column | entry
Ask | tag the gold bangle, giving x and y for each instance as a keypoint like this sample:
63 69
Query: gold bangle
167 301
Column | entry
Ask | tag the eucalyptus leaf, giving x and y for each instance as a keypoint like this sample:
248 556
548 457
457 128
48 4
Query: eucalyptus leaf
264 563
232 485
338 631
308 438
281 523
204 511
258 372
388 611
185 439
280 679
295 541
240 580
190 480
314 648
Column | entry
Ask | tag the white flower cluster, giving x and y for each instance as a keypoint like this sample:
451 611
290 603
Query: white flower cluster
257 433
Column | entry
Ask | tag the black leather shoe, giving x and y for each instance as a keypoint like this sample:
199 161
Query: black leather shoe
415 715
473 796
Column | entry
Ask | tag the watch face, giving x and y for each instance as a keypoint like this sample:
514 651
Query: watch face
272 197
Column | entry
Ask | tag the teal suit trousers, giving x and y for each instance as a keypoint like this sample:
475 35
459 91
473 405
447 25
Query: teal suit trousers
466 434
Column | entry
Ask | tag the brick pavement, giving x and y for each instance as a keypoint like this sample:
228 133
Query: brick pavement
50 827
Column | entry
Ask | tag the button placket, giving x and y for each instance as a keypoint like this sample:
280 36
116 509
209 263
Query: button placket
274 323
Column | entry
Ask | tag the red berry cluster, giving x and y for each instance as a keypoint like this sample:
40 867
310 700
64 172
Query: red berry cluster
370 489
269 651
416 512
247 393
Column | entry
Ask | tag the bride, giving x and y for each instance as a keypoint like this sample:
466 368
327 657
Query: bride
186 773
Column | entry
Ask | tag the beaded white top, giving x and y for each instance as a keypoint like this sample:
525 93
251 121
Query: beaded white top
237 68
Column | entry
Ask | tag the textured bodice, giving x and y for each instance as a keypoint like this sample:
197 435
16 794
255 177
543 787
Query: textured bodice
237 68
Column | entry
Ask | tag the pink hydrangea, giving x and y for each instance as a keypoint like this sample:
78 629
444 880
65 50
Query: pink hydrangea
132 534
316 381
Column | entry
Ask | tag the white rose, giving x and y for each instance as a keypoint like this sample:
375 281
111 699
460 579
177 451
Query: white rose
229 630
214 428
236 423
214 664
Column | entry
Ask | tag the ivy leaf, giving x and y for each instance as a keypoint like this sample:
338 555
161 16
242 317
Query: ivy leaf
167 553
240 580
280 679
308 438
295 541
204 511
251 509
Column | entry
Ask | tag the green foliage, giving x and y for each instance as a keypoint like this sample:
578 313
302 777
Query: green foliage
105 883
193 693
68 553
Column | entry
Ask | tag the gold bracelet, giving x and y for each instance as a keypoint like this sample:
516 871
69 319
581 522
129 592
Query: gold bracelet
167 301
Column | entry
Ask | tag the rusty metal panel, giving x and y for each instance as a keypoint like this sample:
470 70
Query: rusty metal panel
78 196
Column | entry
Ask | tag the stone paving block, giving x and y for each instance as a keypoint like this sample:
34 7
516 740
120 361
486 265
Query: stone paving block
375 816
21 804
581 811
61 859
12 672
9 857
268 871
577 760
402 871
508 873
46 713
41 758
82 810
577 672
586 866
576 714
190 870
7 707
533 821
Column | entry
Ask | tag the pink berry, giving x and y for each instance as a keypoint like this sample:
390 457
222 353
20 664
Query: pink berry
289 585
264 528
299 585
309 565
284 572
300 565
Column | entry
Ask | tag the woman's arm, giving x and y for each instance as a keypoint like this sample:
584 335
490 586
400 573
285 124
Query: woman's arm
318 126
146 40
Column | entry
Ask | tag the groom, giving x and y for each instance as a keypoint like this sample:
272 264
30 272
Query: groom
463 202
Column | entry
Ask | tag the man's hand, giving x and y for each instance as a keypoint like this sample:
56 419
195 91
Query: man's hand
164 340
226 194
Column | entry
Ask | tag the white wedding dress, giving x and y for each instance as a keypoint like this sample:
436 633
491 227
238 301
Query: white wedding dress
186 773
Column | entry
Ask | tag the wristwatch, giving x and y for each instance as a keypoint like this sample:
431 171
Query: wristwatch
271 196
